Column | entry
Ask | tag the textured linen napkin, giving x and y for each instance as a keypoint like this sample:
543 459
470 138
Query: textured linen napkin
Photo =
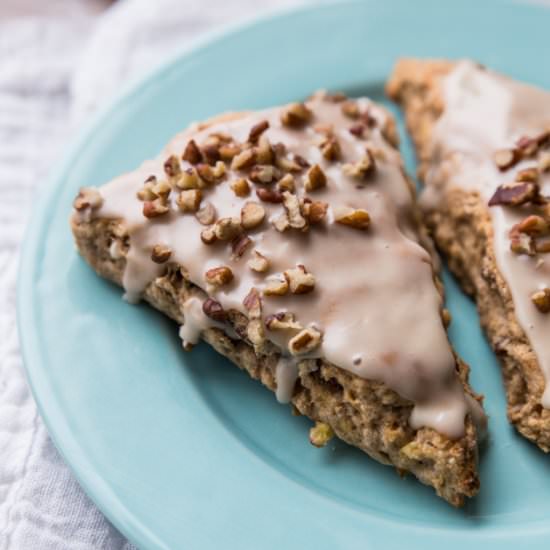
53 73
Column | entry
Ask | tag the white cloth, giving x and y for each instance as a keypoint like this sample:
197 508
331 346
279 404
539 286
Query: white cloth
52 73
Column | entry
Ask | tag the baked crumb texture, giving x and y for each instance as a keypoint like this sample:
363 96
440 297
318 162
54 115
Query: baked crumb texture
363 413
462 229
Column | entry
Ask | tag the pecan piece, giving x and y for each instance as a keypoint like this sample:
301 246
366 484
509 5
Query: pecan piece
528 175
305 341
505 158
207 214
257 130
314 211
357 218
315 178
189 200
299 280
292 207
161 253
214 310
263 173
277 285
283 320
286 183
258 263
219 276
296 115
226 229
269 195
533 225
330 148
350 108
243 160
192 153
514 194
87 198
154 208
541 299
361 169
172 166
229 151
239 245
252 215
521 243
544 161
240 187
189 179
208 235
211 153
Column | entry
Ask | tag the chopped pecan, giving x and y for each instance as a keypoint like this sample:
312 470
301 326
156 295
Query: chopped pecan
314 211
315 178
357 218
528 146
269 195
207 173
219 276
281 223
240 187
330 148
257 130
87 198
189 179
189 200
263 173
533 225
299 280
305 341
264 151
172 166
226 229
252 215
277 285
283 320
541 299
258 262
528 175
154 208
192 153
208 235
207 214
292 207
239 245
296 115
146 193
521 243
162 189
286 183
350 108
160 253
214 310
361 169
514 194
506 158
229 151
211 153
245 159
253 304
336 97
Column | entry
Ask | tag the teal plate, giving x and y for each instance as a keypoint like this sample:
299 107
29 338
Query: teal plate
184 450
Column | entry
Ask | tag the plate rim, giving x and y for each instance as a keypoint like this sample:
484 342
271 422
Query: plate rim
96 488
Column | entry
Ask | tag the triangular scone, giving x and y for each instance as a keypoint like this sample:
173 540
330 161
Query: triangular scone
288 239
483 141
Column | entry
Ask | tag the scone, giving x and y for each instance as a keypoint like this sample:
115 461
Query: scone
289 240
483 142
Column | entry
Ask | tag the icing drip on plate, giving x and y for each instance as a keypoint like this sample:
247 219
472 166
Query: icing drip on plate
484 142
326 262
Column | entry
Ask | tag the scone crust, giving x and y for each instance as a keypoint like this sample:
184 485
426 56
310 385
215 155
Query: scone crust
363 413
462 228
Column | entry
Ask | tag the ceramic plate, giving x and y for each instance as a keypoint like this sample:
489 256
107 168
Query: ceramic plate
184 450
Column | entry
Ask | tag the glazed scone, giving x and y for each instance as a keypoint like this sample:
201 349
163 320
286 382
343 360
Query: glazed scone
289 240
483 143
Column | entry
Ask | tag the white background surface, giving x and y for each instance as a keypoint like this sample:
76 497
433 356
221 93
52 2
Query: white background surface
53 72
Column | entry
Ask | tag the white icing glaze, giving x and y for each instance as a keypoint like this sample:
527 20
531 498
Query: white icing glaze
286 374
484 112
374 298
